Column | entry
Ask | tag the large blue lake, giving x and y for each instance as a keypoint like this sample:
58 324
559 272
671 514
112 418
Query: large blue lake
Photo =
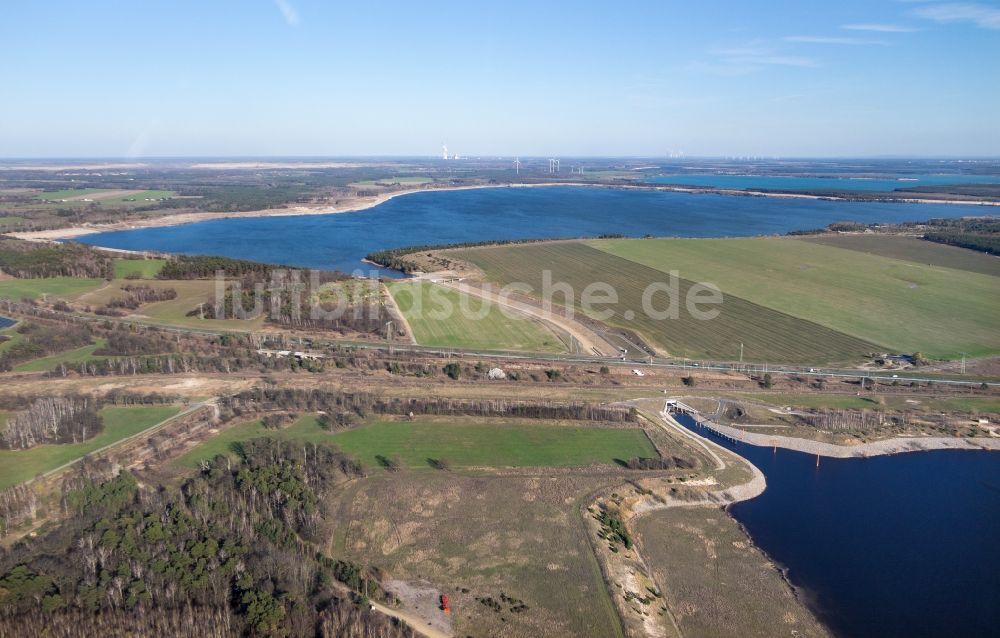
811 183
904 545
339 242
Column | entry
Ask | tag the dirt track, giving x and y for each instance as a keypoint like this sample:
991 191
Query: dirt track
590 342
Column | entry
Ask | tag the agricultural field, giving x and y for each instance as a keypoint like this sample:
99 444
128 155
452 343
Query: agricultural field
9 221
17 466
140 268
767 334
903 306
491 443
746 595
915 250
61 287
421 302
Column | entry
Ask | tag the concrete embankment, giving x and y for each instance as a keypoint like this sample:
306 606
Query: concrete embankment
873 448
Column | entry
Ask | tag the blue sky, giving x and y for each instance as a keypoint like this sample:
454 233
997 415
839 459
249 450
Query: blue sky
311 77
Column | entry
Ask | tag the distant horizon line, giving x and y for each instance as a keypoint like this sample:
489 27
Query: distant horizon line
741 157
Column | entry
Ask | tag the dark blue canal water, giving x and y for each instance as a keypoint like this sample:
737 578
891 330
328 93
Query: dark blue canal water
6 323
339 242
903 545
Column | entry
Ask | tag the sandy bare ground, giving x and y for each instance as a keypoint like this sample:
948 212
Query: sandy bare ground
397 315
874 448
626 572
420 608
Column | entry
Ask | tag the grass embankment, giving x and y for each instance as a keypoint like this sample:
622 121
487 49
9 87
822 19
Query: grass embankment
78 355
767 334
465 323
915 403
17 466
902 305
714 581
61 287
141 268
493 444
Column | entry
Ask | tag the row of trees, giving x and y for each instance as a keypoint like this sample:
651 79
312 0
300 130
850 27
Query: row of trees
364 403
52 420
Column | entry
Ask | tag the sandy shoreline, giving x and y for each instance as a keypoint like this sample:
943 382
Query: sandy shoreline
365 203
897 445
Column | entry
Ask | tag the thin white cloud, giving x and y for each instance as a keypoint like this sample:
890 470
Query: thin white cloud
981 15
758 56
879 28
288 12
734 61
823 39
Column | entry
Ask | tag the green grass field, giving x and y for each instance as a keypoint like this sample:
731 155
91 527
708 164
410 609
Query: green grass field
173 312
62 287
17 466
981 405
15 336
915 250
10 220
768 335
69 192
144 268
495 444
78 355
901 305
420 302
96 195
408 181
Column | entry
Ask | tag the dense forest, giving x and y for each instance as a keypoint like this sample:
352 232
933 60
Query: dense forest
236 550
205 267
33 260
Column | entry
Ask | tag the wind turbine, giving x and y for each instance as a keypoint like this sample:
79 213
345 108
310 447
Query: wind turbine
517 166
